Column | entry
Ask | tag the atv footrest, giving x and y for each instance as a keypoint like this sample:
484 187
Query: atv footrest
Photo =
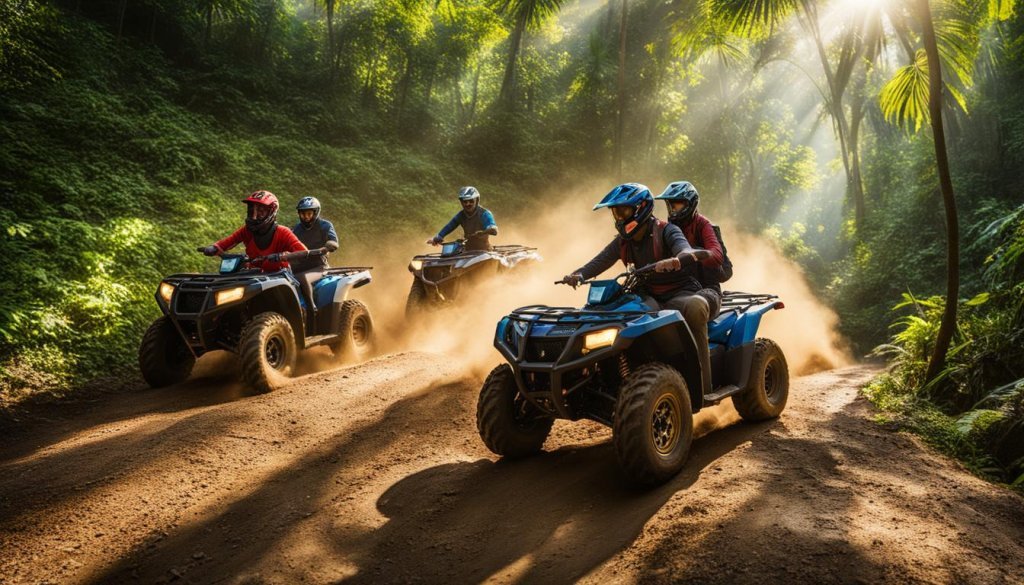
318 339
721 393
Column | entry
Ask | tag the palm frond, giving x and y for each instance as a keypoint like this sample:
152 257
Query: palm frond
1000 9
753 18
904 98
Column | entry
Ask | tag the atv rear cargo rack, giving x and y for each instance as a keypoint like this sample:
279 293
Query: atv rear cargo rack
741 301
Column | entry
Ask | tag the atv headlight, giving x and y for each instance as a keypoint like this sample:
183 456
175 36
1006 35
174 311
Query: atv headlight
599 339
166 291
415 265
228 295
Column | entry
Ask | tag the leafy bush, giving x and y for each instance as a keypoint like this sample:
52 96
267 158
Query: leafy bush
975 408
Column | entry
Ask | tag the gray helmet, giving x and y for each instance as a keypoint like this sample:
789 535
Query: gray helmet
468 194
307 203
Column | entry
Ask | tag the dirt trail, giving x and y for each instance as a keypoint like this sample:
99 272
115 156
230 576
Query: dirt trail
375 474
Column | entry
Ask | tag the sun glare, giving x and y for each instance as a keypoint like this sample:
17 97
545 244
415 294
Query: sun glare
852 7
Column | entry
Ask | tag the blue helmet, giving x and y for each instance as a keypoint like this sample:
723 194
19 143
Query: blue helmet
633 196
309 203
680 191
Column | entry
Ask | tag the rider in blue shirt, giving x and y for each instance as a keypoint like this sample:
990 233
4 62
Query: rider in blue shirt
477 223
315 232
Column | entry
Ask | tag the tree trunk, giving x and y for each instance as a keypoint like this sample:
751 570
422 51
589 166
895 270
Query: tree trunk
723 128
856 181
404 91
620 101
508 82
476 92
854 187
122 7
152 26
948 324
329 8
209 23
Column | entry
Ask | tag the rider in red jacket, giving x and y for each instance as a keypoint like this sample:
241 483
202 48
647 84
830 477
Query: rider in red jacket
262 237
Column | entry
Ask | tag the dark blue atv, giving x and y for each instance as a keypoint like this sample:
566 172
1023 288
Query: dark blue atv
618 363
266 318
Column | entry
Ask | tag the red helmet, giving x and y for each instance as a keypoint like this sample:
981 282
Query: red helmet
264 199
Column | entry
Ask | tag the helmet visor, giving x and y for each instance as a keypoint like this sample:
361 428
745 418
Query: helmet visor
622 212
259 212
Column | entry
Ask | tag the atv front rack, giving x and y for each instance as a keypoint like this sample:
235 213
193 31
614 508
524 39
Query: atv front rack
546 314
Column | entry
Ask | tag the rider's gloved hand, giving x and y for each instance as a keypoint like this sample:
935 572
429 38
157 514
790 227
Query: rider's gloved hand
668 265
573 280
210 250
272 258
434 241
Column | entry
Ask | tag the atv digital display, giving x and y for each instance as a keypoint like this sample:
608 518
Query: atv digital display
451 249
229 264
603 292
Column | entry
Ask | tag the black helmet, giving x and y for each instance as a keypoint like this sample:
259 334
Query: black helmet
468 194
305 204
680 191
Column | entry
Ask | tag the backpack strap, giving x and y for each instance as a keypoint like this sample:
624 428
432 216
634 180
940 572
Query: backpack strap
657 241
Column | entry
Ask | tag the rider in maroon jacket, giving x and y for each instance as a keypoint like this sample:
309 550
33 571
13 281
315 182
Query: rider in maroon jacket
262 237
681 198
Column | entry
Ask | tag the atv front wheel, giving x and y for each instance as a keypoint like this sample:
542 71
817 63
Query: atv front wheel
356 335
268 351
768 388
163 356
653 425
417 301
509 425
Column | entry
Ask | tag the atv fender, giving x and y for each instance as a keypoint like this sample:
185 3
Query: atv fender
666 338
331 295
281 297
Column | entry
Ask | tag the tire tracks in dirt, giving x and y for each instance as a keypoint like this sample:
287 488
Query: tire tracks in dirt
375 474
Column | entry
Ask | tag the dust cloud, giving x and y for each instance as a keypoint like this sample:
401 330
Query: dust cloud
567 235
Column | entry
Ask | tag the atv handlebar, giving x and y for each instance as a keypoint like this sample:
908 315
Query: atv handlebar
289 256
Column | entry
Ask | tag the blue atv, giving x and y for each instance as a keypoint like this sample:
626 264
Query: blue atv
266 318
618 363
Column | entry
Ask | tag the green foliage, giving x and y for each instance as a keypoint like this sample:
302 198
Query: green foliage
980 393
25 28
109 183
904 99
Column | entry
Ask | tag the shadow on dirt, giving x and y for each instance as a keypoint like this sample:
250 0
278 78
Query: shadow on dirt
215 380
550 518
808 513
456 522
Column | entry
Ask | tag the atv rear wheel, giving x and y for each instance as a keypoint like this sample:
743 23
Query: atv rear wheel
164 358
768 388
653 426
417 301
509 425
268 351
356 336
